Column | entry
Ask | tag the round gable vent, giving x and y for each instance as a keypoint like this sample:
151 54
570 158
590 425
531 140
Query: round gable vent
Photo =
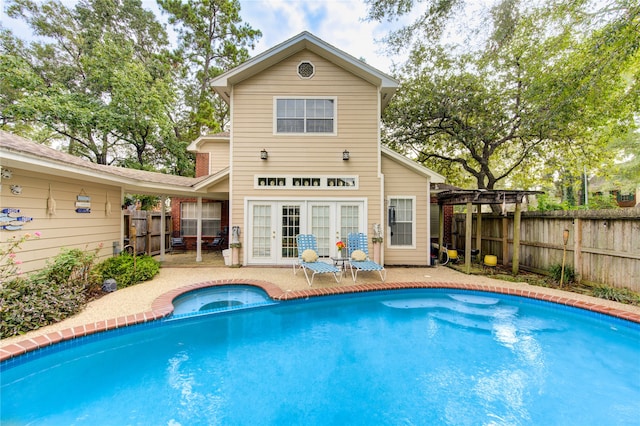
306 69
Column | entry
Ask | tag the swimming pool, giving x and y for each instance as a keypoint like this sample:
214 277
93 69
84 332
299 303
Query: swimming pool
227 297
394 357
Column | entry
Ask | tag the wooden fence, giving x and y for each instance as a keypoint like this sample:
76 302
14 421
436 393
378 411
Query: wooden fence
142 230
603 245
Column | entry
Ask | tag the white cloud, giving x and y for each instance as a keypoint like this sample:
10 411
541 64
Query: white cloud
338 22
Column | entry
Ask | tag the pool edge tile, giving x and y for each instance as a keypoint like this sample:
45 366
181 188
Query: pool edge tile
162 306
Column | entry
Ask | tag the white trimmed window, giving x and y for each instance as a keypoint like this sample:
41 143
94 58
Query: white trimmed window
305 115
211 219
402 213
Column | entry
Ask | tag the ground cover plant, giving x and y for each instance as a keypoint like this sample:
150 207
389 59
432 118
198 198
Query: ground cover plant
552 280
61 289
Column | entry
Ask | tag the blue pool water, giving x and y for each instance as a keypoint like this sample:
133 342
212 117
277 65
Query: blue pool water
207 300
418 357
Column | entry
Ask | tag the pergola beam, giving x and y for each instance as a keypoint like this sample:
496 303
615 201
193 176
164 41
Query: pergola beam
479 197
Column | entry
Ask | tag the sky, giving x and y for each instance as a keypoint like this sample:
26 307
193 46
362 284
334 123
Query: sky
340 23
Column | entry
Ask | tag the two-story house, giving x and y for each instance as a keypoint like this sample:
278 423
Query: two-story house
303 155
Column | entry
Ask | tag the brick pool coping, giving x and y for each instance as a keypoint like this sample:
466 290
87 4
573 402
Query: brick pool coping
162 306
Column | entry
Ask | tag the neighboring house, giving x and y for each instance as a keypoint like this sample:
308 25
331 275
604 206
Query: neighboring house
303 155
624 198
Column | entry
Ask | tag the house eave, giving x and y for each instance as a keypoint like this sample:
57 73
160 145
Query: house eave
434 177
305 40
196 145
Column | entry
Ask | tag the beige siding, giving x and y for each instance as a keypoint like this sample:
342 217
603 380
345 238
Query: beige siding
357 131
398 182
66 228
218 154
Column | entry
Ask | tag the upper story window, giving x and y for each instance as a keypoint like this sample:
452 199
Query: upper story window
305 115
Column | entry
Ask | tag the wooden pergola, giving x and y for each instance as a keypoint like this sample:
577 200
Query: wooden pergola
478 197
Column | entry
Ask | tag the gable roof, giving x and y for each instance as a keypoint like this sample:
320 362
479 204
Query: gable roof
412 165
305 40
17 151
219 137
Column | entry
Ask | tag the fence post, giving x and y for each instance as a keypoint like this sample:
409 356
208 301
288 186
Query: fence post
515 267
505 241
478 232
577 247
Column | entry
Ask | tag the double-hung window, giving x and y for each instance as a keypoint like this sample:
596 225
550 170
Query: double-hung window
311 115
211 219
402 221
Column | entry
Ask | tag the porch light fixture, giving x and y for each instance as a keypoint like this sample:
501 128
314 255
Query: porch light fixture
345 155
264 154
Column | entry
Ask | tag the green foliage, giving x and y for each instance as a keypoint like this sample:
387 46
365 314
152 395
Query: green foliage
70 265
537 90
31 303
622 295
556 273
545 203
212 39
127 269
100 76
48 296
9 262
602 202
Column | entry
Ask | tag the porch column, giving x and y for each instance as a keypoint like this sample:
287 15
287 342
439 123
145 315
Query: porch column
163 201
199 231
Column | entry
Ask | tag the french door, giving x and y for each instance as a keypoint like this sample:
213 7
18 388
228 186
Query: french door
273 227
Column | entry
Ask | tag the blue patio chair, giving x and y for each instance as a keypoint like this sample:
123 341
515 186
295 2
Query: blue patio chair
308 259
219 243
178 243
358 241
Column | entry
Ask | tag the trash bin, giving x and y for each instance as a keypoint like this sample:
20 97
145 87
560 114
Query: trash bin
226 253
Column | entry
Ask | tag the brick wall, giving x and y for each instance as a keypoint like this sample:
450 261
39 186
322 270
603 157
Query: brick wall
202 164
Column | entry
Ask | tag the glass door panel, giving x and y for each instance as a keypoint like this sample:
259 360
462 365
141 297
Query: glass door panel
290 219
321 227
261 230
350 220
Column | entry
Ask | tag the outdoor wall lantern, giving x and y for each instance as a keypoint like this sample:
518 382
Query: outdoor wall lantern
345 155
264 154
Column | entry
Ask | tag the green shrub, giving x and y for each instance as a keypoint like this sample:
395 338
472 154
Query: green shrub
569 273
28 304
71 265
622 295
127 270
49 295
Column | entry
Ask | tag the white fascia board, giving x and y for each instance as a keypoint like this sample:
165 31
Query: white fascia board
197 144
212 179
305 40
